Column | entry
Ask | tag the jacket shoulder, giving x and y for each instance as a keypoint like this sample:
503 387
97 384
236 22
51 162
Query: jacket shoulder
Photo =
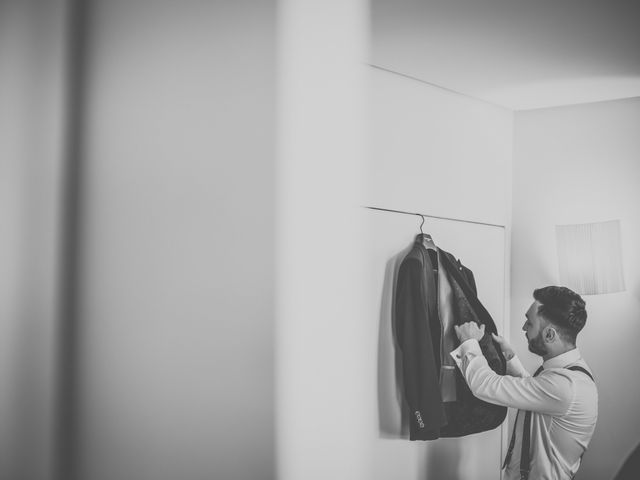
414 255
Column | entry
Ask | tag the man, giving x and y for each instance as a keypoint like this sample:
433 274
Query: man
558 406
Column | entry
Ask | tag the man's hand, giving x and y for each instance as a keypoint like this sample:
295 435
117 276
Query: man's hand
469 330
507 351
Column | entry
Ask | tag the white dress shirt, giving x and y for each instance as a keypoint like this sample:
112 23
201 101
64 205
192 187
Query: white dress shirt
564 405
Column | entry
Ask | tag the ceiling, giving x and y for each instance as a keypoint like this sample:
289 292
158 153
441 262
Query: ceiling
519 54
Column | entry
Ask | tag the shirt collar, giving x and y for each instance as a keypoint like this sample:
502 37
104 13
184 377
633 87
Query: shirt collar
564 359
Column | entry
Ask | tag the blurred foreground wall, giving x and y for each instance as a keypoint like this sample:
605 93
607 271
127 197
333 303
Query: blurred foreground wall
32 156
175 361
172 138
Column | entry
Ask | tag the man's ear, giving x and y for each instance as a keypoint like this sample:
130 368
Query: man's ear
549 334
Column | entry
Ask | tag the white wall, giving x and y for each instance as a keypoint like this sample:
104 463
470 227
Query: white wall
177 271
323 416
32 72
439 153
323 411
580 164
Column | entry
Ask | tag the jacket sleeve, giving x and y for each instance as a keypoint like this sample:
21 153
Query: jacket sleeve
421 388
549 393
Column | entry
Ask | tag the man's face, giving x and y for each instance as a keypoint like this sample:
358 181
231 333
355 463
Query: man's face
533 328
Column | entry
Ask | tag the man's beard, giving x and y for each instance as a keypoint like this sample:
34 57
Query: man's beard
537 346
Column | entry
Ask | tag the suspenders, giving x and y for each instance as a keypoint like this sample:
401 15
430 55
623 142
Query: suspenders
580 369
526 433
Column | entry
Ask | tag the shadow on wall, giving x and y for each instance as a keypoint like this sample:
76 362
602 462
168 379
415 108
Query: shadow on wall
443 459
630 467
392 412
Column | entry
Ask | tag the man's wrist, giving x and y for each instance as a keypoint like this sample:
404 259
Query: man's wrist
471 345
464 338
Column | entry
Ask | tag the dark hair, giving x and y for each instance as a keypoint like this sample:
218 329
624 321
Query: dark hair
564 308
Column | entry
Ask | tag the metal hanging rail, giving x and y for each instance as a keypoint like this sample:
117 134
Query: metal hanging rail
435 216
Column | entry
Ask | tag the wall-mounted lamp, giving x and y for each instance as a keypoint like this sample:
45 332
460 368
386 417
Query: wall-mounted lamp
590 257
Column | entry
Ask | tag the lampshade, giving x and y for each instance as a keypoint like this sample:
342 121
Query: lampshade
590 257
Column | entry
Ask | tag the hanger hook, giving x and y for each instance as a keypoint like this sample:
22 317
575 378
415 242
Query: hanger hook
421 224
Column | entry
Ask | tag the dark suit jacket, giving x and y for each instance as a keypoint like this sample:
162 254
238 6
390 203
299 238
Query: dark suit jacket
418 334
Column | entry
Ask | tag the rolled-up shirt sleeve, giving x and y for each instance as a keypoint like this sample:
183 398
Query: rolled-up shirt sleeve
550 393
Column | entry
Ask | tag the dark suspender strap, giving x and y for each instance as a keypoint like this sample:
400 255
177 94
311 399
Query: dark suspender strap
585 371
512 443
526 447
525 454
580 369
